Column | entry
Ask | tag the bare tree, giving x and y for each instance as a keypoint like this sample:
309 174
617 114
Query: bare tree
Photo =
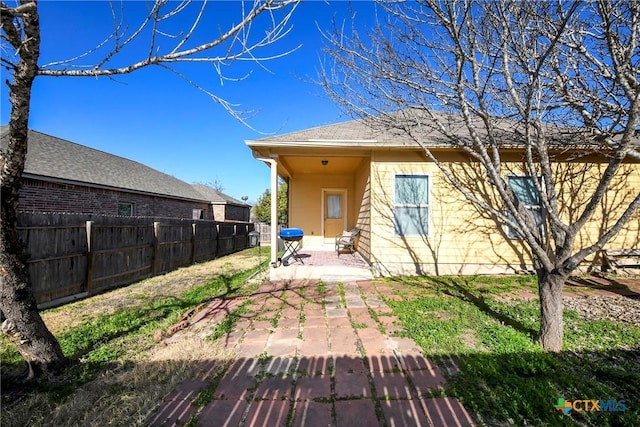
196 43
553 80
216 184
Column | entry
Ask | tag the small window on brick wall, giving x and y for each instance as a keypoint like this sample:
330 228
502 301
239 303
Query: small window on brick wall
125 209
198 214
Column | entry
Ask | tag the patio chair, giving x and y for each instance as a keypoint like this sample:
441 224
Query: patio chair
347 240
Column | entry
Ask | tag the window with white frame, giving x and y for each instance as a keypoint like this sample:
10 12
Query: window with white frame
525 190
198 214
125 209
411 205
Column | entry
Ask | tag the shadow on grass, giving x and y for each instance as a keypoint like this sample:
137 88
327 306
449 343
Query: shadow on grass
511 381
91 345
518 387
464 291
613 285
489 389
524 388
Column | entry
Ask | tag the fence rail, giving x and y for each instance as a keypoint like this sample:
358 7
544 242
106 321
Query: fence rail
72 256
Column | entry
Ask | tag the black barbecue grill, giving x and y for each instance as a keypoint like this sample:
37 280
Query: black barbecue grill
291 238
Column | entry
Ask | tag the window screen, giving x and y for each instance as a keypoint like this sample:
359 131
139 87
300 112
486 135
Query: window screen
411 210
525 190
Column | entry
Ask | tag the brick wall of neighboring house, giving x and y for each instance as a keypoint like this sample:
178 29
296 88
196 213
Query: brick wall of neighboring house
230 213
43 196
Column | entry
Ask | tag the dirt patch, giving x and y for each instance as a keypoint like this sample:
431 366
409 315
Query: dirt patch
470 341
619 309
593 285
522 294
442 315
595 297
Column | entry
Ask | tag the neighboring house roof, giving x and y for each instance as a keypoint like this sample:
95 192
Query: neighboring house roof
55 159
215 197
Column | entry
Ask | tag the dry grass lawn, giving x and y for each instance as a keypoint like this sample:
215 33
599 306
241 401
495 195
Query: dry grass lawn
130 390
169 285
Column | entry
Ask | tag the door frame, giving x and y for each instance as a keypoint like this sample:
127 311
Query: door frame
345 214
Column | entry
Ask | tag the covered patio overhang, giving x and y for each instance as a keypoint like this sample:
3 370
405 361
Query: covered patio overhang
322 162
328 160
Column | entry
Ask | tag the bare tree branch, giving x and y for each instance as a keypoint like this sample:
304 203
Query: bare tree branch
555 82
237 35
20 50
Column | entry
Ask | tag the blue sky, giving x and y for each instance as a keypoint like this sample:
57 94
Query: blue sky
154 117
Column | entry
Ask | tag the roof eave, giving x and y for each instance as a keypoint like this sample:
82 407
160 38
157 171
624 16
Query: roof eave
107 187
343 144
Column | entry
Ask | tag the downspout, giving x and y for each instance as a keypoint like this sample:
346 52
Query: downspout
273 163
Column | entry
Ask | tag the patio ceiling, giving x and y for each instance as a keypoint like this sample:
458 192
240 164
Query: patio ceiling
314 165
306 158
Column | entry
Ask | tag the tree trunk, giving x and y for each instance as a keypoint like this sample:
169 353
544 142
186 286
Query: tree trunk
551 323
23 324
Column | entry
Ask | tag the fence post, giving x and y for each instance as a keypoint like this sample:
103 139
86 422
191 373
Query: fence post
156 249
234 239
217 240
89 279
193 243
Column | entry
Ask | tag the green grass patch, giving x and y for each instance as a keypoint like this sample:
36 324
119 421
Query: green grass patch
322 288
226 325
264 357
504 376
97 340
122 335
206 395
275 318
8 353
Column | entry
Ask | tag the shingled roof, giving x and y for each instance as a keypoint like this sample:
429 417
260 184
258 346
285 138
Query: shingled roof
383 132
379 132
215 197
355 133
52 158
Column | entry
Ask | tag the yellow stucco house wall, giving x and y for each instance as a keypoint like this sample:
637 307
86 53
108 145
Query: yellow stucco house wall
358 170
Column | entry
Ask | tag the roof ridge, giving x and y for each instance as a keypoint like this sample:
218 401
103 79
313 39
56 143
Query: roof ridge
313 128
201 188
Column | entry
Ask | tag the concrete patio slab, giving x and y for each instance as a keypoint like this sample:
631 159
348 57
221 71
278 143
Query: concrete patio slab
314 263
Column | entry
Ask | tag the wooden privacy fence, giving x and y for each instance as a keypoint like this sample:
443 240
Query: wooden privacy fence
73 256
265 232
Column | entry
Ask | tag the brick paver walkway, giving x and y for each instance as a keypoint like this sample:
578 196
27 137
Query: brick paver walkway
315 355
